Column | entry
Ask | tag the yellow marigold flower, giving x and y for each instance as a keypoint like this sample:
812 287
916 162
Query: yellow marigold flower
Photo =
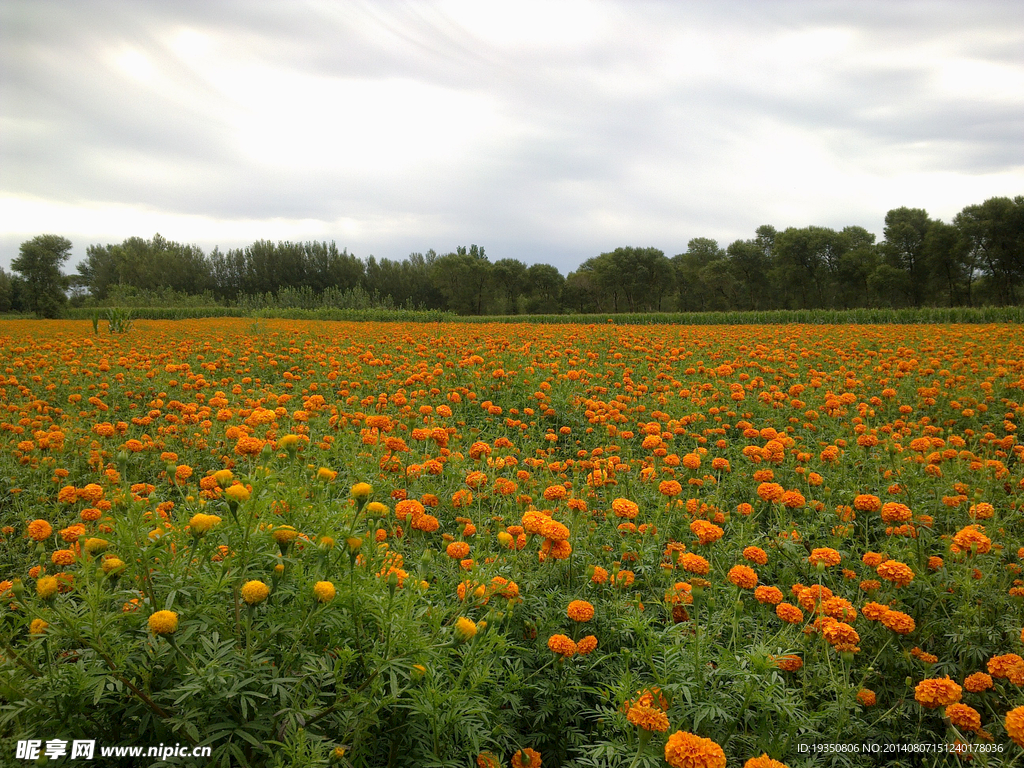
39 530
937 692
324 591
223 477
648 718
327 475
562 645
255 592
580 610
46 587
237 492
526 758
1014 724
361 491
285 534
465 629
687 750
288 442
112 565
94 545
37 627
163 623
376 509
200 524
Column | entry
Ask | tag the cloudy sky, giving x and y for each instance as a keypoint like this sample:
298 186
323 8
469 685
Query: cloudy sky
544 130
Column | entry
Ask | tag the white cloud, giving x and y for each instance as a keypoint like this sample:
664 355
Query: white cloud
543 130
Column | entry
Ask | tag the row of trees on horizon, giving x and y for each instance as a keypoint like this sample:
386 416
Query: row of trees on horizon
977 259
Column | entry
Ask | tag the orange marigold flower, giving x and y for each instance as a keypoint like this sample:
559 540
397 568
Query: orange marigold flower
648 718
937 692
770 491
706 533
743 576
625 508
694 563
793 500
867 503
526 758
562 645
972 540
866 697
39 530
669 488
825 555
687 750
580 610
1014 724
768 595
457 550
1003 666
898 573
554 530
899 622
839 608
587 645
874 611
894 512
63 557
789 663
755 555
789 613
978 682
963 716
763 762
599 576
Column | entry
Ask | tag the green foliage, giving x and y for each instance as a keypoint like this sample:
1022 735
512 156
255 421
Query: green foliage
119 319
38 262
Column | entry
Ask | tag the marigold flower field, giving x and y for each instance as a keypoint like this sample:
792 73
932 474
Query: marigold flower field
453 545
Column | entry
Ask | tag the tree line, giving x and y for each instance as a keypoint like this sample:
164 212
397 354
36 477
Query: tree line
977 259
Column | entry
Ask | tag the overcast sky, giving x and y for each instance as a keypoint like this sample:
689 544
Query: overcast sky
547 131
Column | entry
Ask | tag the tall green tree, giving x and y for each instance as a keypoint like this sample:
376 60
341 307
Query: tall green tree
6 291
905 231
509 276
994 231
38 262
544 284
